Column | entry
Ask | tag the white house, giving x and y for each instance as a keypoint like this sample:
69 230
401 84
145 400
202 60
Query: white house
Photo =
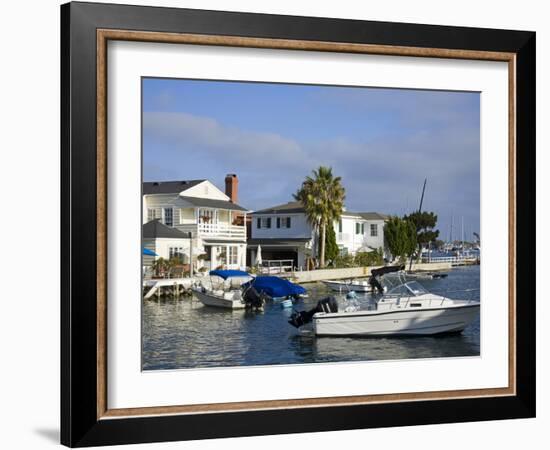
284 233
216 221
166 242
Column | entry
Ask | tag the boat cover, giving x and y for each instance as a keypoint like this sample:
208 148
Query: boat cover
225 274
275 286
385 270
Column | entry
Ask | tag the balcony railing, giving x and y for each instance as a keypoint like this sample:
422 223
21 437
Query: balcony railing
215 230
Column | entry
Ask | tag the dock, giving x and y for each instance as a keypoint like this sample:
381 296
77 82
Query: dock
166 286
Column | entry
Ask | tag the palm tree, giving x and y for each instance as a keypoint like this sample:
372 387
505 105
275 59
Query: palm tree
323 198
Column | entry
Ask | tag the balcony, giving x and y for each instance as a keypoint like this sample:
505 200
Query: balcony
216 230
222 230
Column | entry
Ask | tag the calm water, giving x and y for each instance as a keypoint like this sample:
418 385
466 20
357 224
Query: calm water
185 334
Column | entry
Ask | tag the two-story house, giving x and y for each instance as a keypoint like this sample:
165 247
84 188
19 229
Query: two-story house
215 220
284 233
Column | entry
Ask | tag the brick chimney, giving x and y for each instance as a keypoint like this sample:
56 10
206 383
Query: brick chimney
232 187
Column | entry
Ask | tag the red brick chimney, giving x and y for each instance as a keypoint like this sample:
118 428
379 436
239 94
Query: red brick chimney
232 187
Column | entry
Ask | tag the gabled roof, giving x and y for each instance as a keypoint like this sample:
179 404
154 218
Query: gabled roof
211 203
290 207
168 187
155 229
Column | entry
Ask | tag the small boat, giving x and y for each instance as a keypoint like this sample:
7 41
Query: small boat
222 294
406 309
219 298
348 285
275 288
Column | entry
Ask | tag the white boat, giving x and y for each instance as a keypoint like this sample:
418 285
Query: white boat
221 299
220 292
407 309
348 285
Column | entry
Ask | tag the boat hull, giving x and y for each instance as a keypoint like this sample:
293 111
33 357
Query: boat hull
208 299
408 322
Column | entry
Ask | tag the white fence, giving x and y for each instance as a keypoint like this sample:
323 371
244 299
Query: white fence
276 266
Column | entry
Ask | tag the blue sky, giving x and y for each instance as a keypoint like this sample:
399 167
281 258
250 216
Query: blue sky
382 142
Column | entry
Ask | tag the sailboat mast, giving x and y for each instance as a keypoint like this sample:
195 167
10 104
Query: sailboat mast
462 233
451 234
419 211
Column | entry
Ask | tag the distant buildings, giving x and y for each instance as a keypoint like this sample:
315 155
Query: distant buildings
181 214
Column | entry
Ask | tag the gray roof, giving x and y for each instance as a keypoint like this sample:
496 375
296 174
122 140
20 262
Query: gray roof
211 203
298 207
278 242
373 216
168 187
290 207
155 229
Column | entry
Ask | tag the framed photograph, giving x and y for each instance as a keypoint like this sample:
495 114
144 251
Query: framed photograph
278 224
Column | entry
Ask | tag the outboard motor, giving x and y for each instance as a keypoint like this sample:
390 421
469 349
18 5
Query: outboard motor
253 299
326 305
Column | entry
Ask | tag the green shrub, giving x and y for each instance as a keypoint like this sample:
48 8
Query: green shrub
374 258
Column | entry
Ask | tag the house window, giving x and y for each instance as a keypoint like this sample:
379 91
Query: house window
357 228
264 222
168 217
340 226
177 252
151 214
373 229
283 222
362 228
233 255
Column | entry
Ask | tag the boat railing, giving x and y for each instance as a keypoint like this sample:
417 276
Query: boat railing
439 302
469 291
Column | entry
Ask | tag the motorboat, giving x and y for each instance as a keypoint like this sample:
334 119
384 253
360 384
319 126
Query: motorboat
275 288
220 291
406 309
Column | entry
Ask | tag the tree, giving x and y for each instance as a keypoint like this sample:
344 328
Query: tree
424 223
401 237
323 198
331 247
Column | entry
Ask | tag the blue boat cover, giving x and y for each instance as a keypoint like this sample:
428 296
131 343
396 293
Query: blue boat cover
225 274
148 252
275 286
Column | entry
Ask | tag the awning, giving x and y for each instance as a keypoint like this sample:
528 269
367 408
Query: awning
148 252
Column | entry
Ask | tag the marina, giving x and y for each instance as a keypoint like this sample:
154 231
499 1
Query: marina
182 333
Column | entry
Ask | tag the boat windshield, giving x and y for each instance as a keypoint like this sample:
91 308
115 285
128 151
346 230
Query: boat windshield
412 288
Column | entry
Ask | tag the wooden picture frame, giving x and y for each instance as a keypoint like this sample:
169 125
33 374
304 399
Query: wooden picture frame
86 418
